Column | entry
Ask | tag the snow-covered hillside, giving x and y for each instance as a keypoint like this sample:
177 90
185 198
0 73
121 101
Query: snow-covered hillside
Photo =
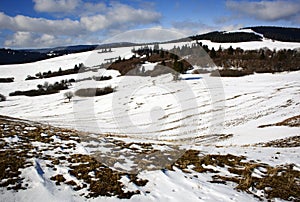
155 107
211 115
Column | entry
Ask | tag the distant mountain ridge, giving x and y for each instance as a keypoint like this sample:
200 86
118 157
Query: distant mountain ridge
10 56
225 37
286 34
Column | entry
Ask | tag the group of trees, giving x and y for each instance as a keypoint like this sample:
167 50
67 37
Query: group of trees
104 50
132 66
7 80
262 60
234 62
44 89
91 92
101 78
60 72
146 50
2 98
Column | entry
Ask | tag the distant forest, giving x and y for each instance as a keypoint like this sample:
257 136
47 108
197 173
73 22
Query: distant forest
223 37
9 56
278 33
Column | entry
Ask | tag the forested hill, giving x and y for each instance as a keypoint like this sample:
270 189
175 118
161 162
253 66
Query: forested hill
228 37
278 33
275 33
10 56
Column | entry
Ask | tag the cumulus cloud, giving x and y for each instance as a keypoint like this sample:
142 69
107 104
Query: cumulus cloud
156 34
79 7
115 18
118 15
56 6
88 9
267 10
41 25
29 39
191 28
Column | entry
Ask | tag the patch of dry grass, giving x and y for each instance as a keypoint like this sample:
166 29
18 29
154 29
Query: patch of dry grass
15 156
282 143
291 122
277 182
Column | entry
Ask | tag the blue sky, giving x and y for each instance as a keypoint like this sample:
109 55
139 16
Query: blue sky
50 23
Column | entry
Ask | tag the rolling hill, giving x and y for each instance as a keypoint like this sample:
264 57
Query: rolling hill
153 137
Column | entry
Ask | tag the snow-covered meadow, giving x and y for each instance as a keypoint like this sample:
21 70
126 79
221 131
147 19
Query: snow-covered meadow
213 115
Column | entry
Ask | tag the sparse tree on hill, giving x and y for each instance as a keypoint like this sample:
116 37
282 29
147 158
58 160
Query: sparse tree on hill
2 98
175 76
69 95
162 53
212 53
230 50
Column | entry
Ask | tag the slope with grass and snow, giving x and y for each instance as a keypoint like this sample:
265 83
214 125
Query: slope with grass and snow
195 136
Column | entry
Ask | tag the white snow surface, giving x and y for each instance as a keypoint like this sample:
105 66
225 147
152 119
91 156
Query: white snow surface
158 109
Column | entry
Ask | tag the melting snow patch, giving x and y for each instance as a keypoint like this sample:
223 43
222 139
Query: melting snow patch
12 139
30 128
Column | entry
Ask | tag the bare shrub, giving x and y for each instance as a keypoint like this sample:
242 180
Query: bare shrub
69 95
2 98
91 92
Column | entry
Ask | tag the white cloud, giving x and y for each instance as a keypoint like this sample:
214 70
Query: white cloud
95 23
231 27
56 6
115 18
190 28
267 10
69 7
120 16
41 25
28 39
80 8
154 34
88 9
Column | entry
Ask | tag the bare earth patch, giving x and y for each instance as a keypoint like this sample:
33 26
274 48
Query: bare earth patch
282 143
249 176
291 122
23 143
